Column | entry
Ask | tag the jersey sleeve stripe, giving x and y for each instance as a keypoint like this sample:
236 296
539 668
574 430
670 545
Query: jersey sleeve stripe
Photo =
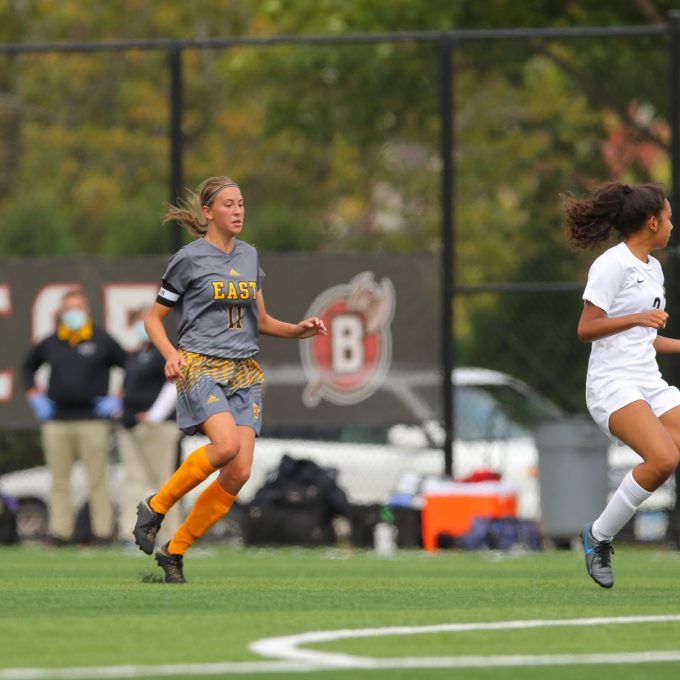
167 297
168 286
168 294
165 303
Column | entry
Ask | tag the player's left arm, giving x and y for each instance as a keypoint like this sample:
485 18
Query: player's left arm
281 329
664 345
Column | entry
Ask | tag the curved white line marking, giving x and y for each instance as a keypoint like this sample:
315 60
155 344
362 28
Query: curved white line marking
287 647
291 659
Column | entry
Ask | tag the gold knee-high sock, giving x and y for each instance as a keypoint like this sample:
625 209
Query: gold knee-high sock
190 473
212 504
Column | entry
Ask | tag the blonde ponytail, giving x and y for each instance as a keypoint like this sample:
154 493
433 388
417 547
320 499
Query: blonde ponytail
189 213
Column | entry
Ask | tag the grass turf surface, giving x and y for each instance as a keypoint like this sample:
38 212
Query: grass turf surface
70 607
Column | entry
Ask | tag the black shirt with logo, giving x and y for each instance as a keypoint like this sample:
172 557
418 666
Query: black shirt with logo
78 373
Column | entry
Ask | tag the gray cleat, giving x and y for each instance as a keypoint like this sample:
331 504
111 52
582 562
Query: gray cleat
171 565
147 526
598 557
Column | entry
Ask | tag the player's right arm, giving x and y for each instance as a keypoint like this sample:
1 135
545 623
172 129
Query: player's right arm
594 323
176 278
153 322
606 280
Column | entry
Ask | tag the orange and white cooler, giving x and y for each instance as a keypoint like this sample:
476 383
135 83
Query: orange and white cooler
449 507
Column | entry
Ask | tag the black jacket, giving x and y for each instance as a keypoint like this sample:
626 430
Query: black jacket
144 379
78 374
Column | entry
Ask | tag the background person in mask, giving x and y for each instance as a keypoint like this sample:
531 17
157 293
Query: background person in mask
75 413
147 434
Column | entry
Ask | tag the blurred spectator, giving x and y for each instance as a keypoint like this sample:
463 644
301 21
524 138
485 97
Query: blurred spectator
147 435
75 413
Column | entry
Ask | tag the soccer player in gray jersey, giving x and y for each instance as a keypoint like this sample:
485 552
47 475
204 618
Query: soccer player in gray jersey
214 286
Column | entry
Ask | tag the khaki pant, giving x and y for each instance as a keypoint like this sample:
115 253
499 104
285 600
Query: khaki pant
148 453
65 441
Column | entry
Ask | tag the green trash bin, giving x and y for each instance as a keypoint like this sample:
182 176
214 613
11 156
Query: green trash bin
572 474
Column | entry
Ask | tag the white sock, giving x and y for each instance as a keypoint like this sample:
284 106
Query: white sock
620 509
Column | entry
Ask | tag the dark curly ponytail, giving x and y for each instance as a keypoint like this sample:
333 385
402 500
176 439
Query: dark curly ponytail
613 206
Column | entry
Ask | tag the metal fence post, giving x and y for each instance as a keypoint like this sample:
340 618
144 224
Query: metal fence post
176 140
673 264
447 265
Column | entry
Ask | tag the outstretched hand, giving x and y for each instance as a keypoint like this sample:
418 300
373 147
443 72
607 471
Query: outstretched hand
311 327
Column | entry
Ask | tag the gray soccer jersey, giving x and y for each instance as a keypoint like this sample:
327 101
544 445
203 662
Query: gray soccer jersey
214 297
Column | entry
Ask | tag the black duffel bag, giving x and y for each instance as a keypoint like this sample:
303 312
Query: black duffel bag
296 506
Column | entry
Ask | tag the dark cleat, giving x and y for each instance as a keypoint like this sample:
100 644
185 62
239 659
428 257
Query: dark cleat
171 565
598 558
147 526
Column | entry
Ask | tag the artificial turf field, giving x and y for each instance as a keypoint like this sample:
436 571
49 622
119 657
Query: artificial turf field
73 608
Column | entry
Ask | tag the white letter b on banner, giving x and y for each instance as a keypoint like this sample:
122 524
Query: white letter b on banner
347 340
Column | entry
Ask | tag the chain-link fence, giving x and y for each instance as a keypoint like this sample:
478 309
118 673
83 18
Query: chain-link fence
453 147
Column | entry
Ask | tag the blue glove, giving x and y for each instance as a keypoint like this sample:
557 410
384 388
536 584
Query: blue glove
107 407
43 407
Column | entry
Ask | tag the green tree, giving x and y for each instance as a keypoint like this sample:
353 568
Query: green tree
337 147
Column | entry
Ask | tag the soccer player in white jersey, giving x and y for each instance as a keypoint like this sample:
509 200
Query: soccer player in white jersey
623 312
214 286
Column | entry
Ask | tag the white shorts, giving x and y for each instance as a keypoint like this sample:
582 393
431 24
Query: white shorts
604 398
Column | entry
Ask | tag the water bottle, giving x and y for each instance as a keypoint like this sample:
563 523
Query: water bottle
385 534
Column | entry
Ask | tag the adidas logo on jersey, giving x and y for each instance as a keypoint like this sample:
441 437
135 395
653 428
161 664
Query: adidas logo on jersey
212 399
233 272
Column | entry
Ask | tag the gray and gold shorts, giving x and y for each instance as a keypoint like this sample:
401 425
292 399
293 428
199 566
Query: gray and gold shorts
210 385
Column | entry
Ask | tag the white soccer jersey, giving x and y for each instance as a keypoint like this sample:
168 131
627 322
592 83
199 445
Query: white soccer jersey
621 284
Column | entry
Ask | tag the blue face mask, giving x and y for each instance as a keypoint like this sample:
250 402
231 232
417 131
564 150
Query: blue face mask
74 319
140 331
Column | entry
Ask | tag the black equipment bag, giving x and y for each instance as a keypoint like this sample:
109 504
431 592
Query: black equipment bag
296 506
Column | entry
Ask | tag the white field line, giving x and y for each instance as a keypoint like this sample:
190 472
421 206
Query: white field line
291 659
256 667
287 647
162 670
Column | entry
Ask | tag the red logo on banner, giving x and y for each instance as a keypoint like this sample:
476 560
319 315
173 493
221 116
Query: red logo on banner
350 363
